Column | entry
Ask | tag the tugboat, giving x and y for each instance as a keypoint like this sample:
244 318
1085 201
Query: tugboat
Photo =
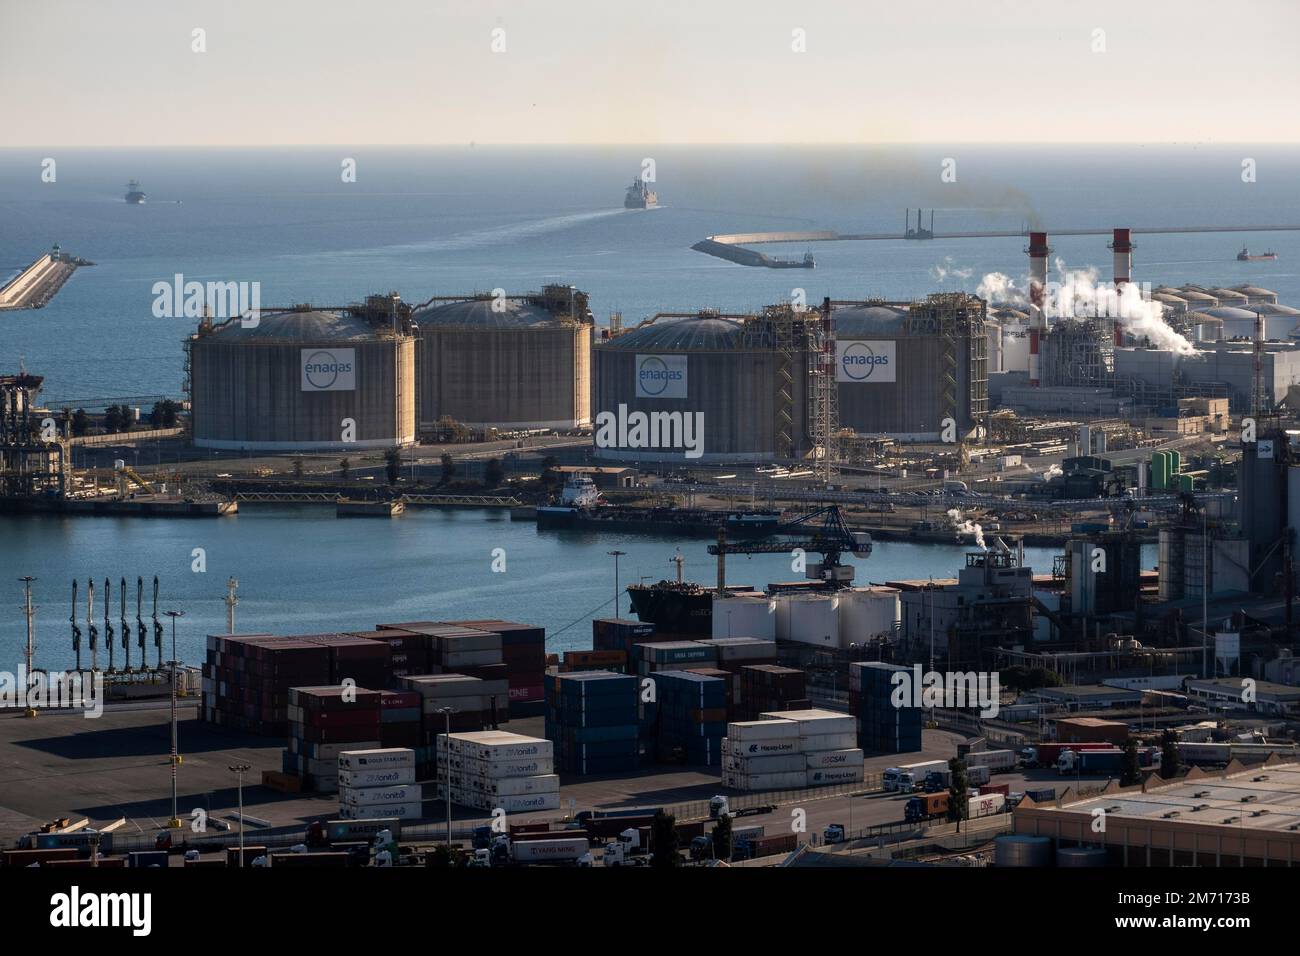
579 495
1245 256
640 196
134 194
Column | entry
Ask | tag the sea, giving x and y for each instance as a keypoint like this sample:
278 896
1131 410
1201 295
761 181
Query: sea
458 219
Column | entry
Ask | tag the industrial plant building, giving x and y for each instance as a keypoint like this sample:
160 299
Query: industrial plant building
305 379
508 362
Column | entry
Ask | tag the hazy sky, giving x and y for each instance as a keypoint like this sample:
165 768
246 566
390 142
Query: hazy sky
90 72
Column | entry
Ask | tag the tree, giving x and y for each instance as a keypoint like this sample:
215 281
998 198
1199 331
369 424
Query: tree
493 473
111 420
1131 775
164 414
80 422
297 467
1171 761
393 465
448 469
958 784
722 837
663 837
345 466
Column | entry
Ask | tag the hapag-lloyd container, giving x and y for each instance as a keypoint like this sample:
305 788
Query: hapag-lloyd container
817 742
355 779
765 781
790 763
400 811
775 729
813 722
833 759
821 778
760 748
377 759
371 796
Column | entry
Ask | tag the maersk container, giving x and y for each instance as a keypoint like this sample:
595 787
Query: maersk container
354 779
372 796
830 759
776 728
402 811
823 777
383 759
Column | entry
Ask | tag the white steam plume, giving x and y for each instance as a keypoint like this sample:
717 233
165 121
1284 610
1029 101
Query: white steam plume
968 527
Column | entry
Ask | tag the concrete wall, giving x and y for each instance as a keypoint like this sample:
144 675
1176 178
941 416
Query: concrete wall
25 280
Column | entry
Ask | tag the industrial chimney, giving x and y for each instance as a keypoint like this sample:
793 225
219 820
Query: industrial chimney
1122 246
1038 252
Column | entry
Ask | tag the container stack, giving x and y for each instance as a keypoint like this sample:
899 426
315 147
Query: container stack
494 769
737 653
523 651
767 687
620 634
471 700
802 748
575 661
408 652
593 719
379 784
882 727
400 718
323 723
247 677
728 683
672 655
692 717
364 662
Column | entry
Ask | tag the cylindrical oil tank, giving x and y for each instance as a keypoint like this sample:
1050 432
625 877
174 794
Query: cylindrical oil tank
1081 856
506 363
890 360
1175 465
1280 321
699 389
1015 350
867 613
1021 850
1160 470
303 379
743 616
808 619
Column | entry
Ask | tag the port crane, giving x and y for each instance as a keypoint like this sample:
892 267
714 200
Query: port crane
832 538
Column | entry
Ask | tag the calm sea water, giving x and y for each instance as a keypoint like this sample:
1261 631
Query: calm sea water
301 570
453 220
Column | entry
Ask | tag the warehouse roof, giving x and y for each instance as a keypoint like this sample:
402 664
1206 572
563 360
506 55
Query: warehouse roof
680 335
307 325
485 313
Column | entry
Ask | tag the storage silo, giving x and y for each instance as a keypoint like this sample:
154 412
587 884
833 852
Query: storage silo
304 379
744 616
903 369
1021 850
509 362
704 388
868 613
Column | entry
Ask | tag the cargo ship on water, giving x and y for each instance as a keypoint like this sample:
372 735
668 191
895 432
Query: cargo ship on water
581 507
640 196
135 195
1245 256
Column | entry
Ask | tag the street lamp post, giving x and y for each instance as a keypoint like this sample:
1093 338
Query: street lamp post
616 555
445 769
240 769
29 612
175 821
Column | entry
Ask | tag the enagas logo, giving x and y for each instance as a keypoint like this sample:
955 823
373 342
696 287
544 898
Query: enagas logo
327 370
655 376
859 361
322 370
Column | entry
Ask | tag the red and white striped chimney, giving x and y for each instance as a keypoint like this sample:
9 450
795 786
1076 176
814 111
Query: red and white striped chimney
1122 246
1038 251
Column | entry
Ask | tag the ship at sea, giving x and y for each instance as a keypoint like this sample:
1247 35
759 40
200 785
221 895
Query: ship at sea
1245 256
134 194
581 507
640 196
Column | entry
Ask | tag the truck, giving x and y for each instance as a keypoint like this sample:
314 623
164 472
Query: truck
765 846
572 850
628 850
720 805
998 761
1104 761
908 777
1046 754
937 780
931 806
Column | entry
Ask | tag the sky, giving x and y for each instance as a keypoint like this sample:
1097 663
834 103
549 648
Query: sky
337 72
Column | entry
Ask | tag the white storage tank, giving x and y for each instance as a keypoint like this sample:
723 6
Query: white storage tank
745 616
808 619
867 613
